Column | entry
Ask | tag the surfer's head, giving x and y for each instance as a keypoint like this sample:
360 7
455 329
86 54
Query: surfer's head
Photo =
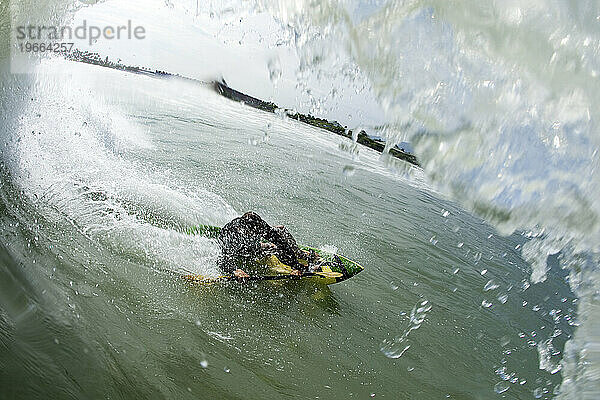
258 224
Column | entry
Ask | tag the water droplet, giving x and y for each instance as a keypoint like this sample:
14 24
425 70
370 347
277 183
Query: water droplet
501 372
274 70
392 349
348 170
557 332
490 285
501 387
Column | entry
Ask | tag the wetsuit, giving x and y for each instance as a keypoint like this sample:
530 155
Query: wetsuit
241 239
287 250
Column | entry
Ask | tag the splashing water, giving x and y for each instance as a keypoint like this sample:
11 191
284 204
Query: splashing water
500 102
395 348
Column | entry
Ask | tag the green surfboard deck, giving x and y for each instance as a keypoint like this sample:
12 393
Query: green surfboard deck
346 267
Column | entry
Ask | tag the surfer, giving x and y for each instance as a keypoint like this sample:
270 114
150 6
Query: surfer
249 237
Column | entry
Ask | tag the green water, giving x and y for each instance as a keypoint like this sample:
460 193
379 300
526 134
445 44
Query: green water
93 306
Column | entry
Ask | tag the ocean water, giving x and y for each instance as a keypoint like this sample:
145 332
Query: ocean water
481 268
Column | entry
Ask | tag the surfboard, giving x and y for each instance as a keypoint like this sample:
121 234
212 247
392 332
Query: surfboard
331 268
